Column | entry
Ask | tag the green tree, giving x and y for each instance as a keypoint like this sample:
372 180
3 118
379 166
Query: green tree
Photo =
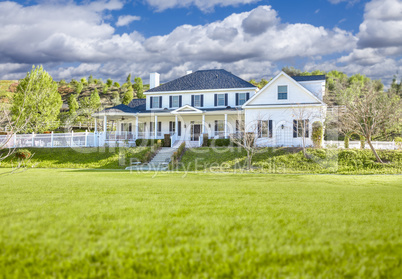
73 104
38 101
292 71
90 80
138 88
396 87
109 82
84 81
128 79
116 84
95 100
105 88
79 88
128 96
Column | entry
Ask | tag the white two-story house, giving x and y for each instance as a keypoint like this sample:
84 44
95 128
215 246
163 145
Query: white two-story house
218 103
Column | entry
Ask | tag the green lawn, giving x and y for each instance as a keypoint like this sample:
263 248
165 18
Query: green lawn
81 158
96 224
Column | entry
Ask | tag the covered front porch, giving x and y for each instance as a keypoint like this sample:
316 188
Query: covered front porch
186 124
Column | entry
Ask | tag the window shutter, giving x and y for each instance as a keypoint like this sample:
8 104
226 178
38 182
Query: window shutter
170 101
202 100
216 100
294 128
179 128
170 126
180 99
151 126
269 128
216 125
306 124
151 102
159 126
160 101
247 96
237 99
226 99
192 100
259 128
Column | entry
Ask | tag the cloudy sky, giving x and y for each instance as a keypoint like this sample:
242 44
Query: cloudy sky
250 38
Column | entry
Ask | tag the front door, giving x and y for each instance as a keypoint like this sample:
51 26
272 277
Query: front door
195 132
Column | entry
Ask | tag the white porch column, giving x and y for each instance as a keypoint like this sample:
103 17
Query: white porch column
136 127
176 127
226 126
203 124
156 126
51 139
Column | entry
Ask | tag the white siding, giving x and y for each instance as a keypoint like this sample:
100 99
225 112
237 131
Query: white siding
269 95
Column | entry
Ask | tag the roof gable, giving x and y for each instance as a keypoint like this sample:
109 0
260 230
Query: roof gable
203 80
297 94
186 109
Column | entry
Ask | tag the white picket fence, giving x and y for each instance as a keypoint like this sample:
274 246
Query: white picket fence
390 145
87 139
72 139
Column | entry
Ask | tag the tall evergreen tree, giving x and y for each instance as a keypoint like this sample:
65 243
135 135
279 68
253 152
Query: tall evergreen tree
72 104
139 87
38 100
128 96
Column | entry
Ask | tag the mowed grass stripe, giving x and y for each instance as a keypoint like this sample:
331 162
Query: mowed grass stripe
80 224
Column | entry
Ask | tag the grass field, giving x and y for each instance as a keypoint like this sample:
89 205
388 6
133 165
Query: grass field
96 224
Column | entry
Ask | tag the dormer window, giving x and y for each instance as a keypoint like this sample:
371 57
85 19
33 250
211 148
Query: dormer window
282 92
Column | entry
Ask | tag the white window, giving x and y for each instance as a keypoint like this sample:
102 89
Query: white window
282 92
155 102
265 129
242 98
221 99
175 101
197 100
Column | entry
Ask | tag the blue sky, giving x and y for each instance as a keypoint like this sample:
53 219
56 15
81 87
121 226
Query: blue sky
250 38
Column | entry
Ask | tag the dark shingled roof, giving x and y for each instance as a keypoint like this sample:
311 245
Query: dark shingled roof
309 78
204 80
136 105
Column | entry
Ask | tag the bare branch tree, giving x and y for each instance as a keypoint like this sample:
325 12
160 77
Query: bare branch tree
246 135
368 110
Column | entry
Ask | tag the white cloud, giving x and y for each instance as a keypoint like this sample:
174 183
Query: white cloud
382 25
126 20
350 2
204 5
248 44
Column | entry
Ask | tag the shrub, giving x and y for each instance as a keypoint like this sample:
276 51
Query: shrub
346 142
398 142
177 155
148 142
362 142
205 140
220 142
317 134
23 154
167 140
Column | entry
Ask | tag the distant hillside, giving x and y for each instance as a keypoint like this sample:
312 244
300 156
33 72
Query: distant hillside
7 89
